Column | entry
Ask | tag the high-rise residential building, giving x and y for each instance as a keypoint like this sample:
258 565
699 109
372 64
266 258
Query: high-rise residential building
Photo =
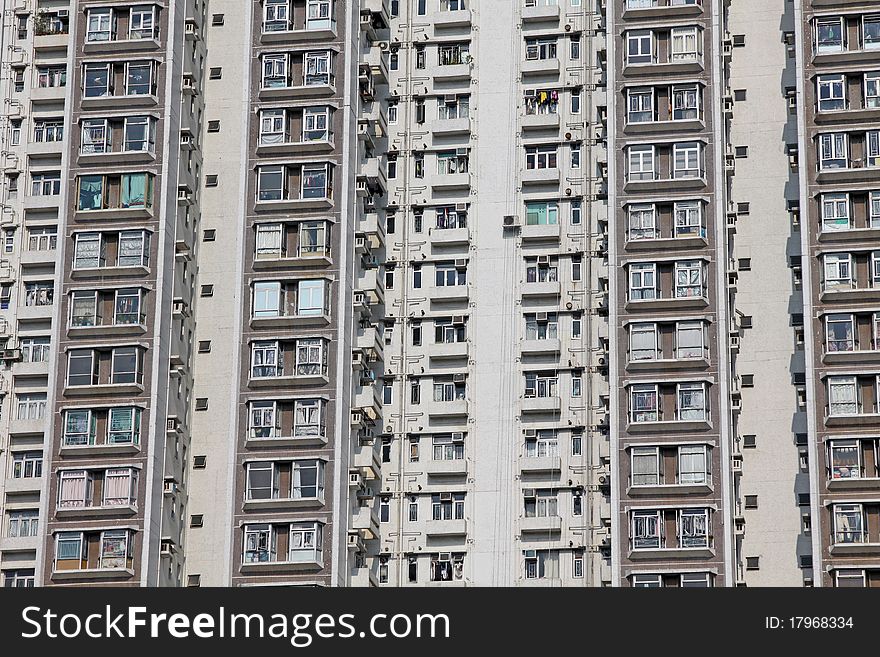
439 293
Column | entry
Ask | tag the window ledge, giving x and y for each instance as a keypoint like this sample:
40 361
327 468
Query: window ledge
668 425
290 321
851 235
667 11
281 566
93 573
669 489
853 483
669 364
117 158
667 553
267 93
108 329
860 419
317 146
122 214
99 449
108 102
287 441
321 203
103 389
301 34
296 503
102 272
95 511
855 548
283 262
285 381
666 127
673 302
119 46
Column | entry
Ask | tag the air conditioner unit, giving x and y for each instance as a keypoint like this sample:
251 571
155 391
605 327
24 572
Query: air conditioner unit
736 464
446 497
458 378
528 492
462 151
458 437
62 13
188 82
355 541
166 547
530 93
461 207
355 479
604 480
357 416
461 263
185 140
450 99
190 28
531 433
567 136
541 317
543 260
458 320
511 221
530 554
170 486
357 358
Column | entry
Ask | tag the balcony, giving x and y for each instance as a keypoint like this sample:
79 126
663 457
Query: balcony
449 19
540 347
443 528
448 293
541 525
452 73
541 14
541 177
540 122
448 350
542 289
454 408
451 182
449 127
447 468
541 232
541 404
449 236
540 67
540 464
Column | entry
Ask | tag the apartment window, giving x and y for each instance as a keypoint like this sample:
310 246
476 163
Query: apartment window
541 157
447 218
448 447
642 281
275 16
317 68
96 80
577 440
95 137
871 32
27 465
646 581
392 113
275 71
645 466
541 385
642 222
448 390
446 331
689 340
40 293
51 76
100 25
692 464
839 333
30 406
640 163
640 105
643 340
688 219
541 272
541 564
639 47
693 528
685 102
543 48
576 209
575 151
35 350
644 403
542 214
449 275
127 307
835 211
270 183
842 395
42 238
541 504
872 90
139 134
315 180
849 523
265 359
125 365
691 402
18 579
685 44
142 23
138 78
310 298
447 506
837 270
831 92
420 57
545 327
686 160
451 162
544 444
833 150
689 279
23 524
645 529
574 48
47 131
15 132
845 459
46 183
453 54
